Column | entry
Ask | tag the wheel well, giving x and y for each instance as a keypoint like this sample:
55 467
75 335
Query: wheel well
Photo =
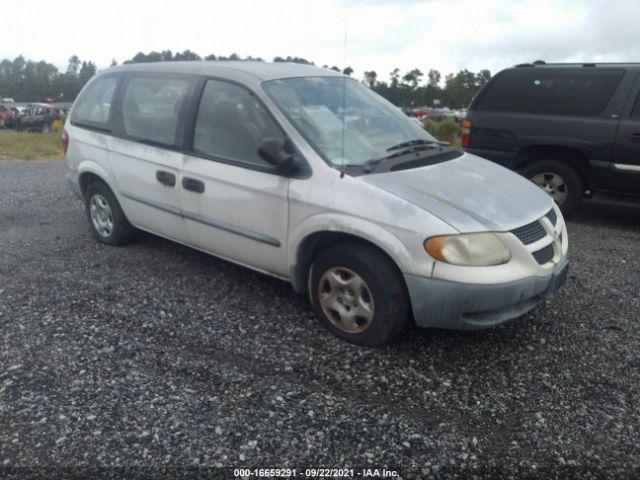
573 157
314 245
86 179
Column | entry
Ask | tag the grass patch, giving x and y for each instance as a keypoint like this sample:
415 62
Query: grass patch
30 146
447 130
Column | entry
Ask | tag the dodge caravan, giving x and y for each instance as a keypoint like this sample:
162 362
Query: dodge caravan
304 174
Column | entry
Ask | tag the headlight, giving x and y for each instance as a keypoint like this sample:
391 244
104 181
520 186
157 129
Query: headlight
471 249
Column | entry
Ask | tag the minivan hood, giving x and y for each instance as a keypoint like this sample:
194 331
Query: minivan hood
469 193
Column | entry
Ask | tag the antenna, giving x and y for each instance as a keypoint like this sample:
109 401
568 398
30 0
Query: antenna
344 100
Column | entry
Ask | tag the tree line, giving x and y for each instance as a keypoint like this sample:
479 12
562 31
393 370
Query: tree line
30 81
27 80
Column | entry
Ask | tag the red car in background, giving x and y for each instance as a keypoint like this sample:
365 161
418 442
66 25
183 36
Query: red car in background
6 115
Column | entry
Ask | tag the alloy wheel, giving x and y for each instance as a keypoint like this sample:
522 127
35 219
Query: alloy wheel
101 215
553 184
346 300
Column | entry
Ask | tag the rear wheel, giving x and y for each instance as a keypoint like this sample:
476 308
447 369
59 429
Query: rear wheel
359 293
107 221
559 180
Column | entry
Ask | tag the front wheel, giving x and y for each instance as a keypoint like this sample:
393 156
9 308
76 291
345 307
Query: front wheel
559 180
359 294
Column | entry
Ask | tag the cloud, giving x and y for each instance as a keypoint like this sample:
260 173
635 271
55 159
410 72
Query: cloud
381 34
368 3
558 32
495 34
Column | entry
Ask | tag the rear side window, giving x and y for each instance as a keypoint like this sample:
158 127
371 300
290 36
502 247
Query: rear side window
93 108
575 91
231 124
151 108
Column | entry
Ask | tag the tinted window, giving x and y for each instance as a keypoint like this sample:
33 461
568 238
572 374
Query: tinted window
231 123
635 113
151 107
583 92
94 105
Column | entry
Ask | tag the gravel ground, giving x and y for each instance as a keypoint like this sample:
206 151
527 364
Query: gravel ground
157 355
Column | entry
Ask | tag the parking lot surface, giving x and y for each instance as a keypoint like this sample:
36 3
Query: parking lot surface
155 354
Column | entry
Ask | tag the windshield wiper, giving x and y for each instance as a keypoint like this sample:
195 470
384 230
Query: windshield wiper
417 141
408 147
372 163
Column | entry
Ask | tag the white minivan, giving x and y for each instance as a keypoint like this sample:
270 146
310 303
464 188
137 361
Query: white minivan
307 175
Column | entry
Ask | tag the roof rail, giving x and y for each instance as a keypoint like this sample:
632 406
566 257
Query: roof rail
541 63
537 62
592 63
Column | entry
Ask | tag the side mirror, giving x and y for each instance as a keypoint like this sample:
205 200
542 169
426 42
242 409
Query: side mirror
278 152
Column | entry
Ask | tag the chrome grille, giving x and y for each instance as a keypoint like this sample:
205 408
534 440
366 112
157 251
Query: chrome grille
545 255
530 233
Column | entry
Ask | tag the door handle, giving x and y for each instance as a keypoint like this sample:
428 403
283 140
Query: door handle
193 185
166 178
634 137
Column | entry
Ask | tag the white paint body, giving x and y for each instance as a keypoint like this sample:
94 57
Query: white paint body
396 211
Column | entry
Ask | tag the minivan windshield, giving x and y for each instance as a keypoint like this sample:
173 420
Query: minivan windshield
346 122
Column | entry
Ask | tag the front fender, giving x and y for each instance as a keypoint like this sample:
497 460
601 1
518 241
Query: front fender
388 241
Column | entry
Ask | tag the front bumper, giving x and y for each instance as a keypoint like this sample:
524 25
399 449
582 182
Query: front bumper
74 181
467 306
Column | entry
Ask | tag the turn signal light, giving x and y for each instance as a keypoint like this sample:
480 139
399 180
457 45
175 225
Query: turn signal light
434 246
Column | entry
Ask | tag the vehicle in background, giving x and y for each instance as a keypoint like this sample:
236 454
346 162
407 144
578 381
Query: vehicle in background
573 129
307 175
416 120
18 110
459 114
437 114
39 117
6 116
7 100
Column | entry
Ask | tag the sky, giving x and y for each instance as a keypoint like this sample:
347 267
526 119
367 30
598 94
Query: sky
379 35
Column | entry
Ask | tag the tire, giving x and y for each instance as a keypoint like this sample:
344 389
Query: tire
383 292
110 225
542 172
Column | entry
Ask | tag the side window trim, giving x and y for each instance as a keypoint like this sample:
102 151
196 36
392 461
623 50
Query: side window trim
192 114
108 126
233 162
193 118
197 101
183 122
635 110
634 99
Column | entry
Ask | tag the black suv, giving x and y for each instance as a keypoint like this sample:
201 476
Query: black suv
573 129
